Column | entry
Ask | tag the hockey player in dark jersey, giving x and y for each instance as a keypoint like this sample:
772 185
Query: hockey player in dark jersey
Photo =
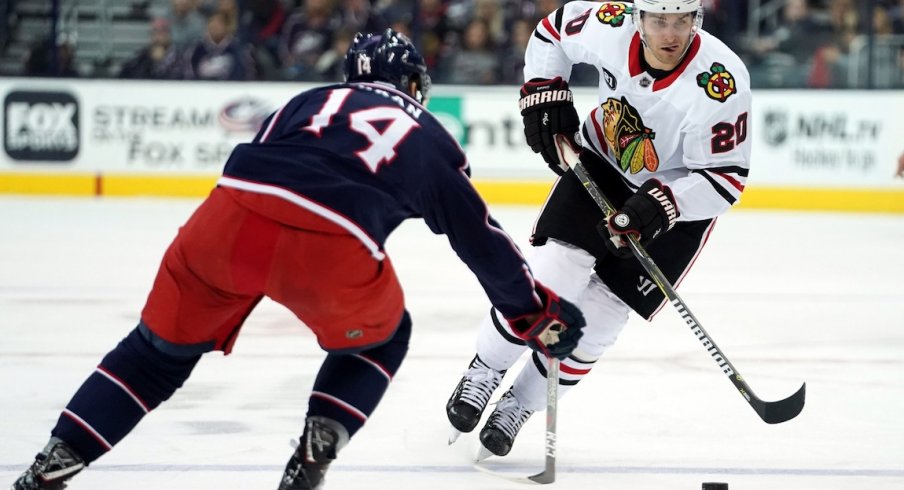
300 215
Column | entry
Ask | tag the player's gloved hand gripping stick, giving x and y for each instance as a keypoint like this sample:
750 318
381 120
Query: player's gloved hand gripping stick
547 109
646 215
554 331
547 334
772 412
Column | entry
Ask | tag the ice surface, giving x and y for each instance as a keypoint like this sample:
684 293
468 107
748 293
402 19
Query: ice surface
788 297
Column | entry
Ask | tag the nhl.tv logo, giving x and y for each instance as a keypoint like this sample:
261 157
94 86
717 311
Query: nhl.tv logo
41 126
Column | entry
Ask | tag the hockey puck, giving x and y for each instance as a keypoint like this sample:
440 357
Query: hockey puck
715 486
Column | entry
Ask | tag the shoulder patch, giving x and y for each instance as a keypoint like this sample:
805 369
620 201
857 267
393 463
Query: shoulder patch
613 13
718 83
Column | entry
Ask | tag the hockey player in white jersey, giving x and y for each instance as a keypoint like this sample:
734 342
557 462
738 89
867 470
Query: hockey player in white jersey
668 144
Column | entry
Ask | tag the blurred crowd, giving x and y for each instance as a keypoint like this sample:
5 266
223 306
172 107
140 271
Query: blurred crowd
812 43
824 44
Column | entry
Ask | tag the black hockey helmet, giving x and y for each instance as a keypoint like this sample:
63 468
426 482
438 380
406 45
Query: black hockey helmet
388 57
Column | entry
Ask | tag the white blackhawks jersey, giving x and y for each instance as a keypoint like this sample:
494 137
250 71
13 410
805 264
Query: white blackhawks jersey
689 130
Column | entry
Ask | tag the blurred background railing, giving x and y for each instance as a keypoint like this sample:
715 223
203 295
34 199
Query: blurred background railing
786 43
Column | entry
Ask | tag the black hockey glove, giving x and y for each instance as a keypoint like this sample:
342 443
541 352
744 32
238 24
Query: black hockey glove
547 108
650 212
555 331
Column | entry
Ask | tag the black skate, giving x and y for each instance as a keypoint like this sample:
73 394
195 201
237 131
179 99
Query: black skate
498 435
321 440
470 397
53 466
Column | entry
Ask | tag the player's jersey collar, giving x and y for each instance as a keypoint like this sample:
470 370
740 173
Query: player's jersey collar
635 69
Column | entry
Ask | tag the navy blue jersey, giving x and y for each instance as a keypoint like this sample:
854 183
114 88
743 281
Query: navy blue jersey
368 157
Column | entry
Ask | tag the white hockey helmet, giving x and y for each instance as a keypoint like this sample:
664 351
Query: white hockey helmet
668 6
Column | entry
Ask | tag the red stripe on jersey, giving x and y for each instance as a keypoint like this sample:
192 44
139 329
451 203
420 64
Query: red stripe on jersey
731 180
551 29
570 370
634 68
599 131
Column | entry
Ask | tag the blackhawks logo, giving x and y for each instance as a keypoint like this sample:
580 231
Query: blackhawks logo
718 83
629 139
613 13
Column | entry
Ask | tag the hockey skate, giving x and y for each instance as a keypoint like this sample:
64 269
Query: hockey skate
53 466
321 441
498 435
471 396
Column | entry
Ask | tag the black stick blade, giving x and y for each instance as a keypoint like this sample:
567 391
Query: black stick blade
782 410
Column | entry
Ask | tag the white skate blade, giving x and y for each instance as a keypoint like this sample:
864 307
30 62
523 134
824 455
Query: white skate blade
453 435
482 454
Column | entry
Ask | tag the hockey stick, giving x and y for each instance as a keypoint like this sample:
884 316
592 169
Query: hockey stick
772 412
548 475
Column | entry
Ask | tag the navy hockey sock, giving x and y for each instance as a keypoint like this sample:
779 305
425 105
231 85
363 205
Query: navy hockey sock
349 386
133 379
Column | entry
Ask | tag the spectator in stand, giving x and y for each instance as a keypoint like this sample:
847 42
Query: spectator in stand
488 11
726 19
39 61
396 10
513 10
845 21
307 34
431 32
475 63
259 26
512 59
786 54
458 14
360 16
831 62
7 12
330 66
849 55
186 24
230 8
159 60
800 33
544 7
897 16
219 55
402 26
887 68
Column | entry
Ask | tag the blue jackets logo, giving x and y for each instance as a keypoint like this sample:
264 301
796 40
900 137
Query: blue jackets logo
41 126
